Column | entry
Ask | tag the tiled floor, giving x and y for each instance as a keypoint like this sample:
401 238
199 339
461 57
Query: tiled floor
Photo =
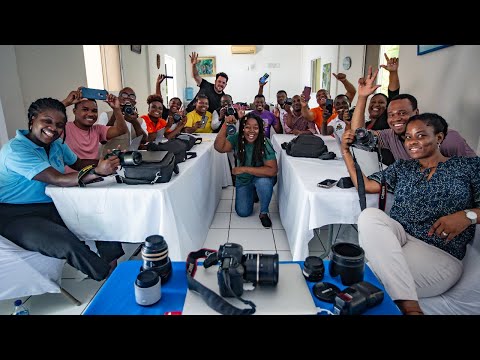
226 226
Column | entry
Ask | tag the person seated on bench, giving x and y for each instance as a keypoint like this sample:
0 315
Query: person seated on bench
28 163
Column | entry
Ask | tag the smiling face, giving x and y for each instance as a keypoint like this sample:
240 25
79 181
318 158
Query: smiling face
220 84
281 97
174 105
127 96
86 114
155 109
322 96
399 111
421 141
259 104
251 130
47 127
378 104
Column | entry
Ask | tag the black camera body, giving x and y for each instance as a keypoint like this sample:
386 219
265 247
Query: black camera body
365 140
357 298
230 110
236 268
288 101
176 117
128 109
126 157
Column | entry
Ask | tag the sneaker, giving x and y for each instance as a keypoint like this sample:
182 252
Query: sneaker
266 222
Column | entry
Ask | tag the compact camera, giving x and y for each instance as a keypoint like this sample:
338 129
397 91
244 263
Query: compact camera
126 157
357 298
288 101
365 140
236 268
128 109
176 117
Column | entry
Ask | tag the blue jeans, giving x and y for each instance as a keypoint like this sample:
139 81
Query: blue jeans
244 195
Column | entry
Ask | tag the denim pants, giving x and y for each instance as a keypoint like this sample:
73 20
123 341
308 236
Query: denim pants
244 195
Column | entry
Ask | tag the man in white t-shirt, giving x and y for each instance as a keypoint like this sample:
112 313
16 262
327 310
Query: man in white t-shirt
338 124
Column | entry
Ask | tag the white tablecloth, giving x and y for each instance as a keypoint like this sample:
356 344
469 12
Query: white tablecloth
303 205
180 210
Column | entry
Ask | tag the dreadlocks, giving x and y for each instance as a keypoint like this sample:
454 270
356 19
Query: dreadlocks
44 104
260 144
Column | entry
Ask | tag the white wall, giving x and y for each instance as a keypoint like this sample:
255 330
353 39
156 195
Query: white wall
10 93
175 51
446 82
357 54
244 70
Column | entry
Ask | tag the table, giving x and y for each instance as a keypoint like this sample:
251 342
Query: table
180 210
304 206
117 296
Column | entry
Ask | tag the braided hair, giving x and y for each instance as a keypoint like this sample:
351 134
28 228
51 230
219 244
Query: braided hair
43 104
260 144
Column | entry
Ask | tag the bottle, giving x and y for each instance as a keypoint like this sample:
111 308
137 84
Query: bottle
20 309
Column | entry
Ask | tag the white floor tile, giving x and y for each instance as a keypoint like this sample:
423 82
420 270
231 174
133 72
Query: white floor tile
276 222
249 222
252 239
6 306
220 221
224 206
282 255
227 193
215 238
58 304
281 240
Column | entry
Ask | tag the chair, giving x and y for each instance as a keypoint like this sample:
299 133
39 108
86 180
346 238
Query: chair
25 273
464 297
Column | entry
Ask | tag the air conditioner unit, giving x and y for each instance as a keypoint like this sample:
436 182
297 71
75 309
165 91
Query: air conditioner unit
244 49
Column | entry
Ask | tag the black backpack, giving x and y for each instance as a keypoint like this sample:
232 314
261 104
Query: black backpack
305 145
177 146
150 172
189 139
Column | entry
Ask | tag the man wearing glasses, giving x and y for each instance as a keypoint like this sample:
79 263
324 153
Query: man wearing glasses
128 100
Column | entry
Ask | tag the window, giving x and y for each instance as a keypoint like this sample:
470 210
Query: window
171 84
316 73
383 75
102 66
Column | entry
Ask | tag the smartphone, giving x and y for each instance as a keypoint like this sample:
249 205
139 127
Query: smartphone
264 78
329 105
327 183
94 93
307 90
204 122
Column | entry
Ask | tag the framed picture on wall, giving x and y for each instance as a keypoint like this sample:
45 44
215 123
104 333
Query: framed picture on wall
425 49
136 48
206 66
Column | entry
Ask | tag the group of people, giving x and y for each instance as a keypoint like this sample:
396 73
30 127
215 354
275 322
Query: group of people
416 251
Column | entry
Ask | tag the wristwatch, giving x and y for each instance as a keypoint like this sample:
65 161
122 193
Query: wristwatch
472 216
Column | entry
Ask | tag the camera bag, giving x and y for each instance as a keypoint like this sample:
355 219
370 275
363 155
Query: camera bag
177 146
305 145
189 139
150 172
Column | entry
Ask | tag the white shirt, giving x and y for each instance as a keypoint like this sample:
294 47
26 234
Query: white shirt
103 120
338 126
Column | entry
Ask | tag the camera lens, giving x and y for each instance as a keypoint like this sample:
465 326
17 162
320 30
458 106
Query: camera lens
231 129
348 262
177 117
155 257
313 268
128 109
130 158
261 269
230 111
361 135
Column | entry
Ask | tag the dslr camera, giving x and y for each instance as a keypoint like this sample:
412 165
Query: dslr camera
230 110
128 109
357 298
288 101
365 140
176 118
126 157
236 268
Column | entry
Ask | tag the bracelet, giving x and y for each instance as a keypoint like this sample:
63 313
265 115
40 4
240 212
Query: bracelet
84 172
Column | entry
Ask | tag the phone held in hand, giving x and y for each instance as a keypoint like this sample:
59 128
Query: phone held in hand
327 183
329 105
264 78
96 94
307 90
204 121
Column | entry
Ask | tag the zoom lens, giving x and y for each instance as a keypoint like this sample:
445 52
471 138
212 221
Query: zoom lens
261 269
130 158
155 257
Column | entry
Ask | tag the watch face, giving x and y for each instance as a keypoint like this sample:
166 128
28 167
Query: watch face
347 62
472 215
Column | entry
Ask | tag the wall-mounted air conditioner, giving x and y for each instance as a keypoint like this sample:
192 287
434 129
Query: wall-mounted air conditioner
244 49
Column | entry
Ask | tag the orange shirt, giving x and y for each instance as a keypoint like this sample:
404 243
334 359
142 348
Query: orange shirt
318 116
151 126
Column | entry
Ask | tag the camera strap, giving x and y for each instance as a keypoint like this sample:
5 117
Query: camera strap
361 184
382 197
212 299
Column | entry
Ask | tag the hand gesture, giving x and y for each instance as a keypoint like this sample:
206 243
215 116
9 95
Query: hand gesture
369 87
108 166
288 108
194 58
262 84
74 97
340 77
392 63
160 78
449 226
197 125
302 100
347 138
113 101
222 112
241 113
230 119
276 112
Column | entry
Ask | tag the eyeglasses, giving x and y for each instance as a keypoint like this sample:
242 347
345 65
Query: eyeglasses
131 96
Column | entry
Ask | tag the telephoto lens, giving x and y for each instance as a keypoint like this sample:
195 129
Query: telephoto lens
130 158
313 268
261 269
155 257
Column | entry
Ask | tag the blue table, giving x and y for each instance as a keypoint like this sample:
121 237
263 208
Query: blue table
117 296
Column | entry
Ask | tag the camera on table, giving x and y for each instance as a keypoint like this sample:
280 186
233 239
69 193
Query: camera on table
365 140
288 101
126 157
357 298
236 268
176 117
128 109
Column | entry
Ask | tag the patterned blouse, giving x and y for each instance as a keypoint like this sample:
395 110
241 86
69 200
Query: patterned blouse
420 202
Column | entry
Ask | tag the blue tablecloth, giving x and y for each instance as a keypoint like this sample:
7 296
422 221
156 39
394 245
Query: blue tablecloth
117 295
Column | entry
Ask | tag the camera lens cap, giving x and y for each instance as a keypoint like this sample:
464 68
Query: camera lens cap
325 291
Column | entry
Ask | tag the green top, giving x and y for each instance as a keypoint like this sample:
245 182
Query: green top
245 179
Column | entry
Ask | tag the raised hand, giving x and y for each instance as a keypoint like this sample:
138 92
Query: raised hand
262 84
340 76
74 97
302 100
113 101
160 78
369 86
194 58
392 63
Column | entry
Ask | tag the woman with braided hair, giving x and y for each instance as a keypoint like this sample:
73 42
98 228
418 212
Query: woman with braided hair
256 164
28 163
